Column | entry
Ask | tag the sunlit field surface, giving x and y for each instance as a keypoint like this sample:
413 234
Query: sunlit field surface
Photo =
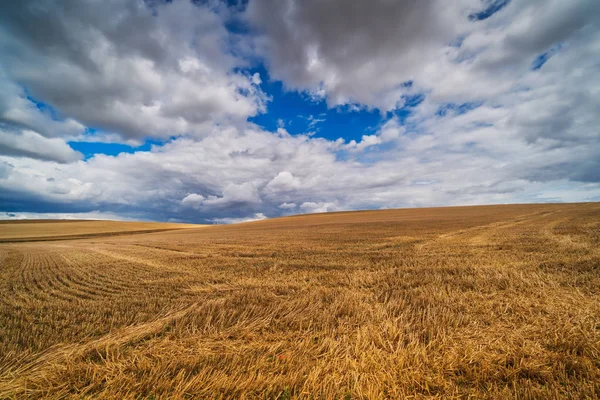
488 302
39 230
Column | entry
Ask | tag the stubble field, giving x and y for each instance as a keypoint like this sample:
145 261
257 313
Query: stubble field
481 302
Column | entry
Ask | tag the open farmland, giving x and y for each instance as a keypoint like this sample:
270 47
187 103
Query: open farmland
41 230
487 302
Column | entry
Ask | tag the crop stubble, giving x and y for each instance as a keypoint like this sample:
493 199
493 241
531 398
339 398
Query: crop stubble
487 302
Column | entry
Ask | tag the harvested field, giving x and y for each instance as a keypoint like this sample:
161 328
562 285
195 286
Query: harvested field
41 230
481 302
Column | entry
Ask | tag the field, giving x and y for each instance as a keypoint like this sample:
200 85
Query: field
41 230
481 302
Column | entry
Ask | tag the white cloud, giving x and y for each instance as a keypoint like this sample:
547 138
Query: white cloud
367 141
287 206
193 200
255 217
227 175
92 215
284 181
318 207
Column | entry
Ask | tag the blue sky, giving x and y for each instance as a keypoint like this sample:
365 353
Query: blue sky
89 149
225 111
297 112
300 113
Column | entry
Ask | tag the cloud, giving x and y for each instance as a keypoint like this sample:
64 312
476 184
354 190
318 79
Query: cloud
234 195
31 144
19 112
130 67
93 215
363 53
374 53
318 207
193 200
367 141
464 159
471 118
255 217
284 181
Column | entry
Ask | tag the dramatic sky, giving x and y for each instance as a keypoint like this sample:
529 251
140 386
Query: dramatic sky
210 111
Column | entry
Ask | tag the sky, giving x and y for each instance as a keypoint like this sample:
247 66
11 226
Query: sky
229 111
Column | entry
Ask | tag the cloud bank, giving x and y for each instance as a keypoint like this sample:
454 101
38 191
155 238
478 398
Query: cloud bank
480 102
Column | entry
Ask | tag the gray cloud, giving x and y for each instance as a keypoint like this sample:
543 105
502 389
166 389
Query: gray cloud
31 144
361 52
365 52
123 66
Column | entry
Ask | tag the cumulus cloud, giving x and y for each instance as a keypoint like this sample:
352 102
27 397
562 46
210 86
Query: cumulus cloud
374 53
284 181
255 217
361 53
318 207
130 67
367 141
228 175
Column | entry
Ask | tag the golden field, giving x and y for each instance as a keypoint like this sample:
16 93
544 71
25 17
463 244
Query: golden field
40 230
461 302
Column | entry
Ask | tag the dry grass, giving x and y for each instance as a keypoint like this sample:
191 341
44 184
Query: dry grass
481 302
41 230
